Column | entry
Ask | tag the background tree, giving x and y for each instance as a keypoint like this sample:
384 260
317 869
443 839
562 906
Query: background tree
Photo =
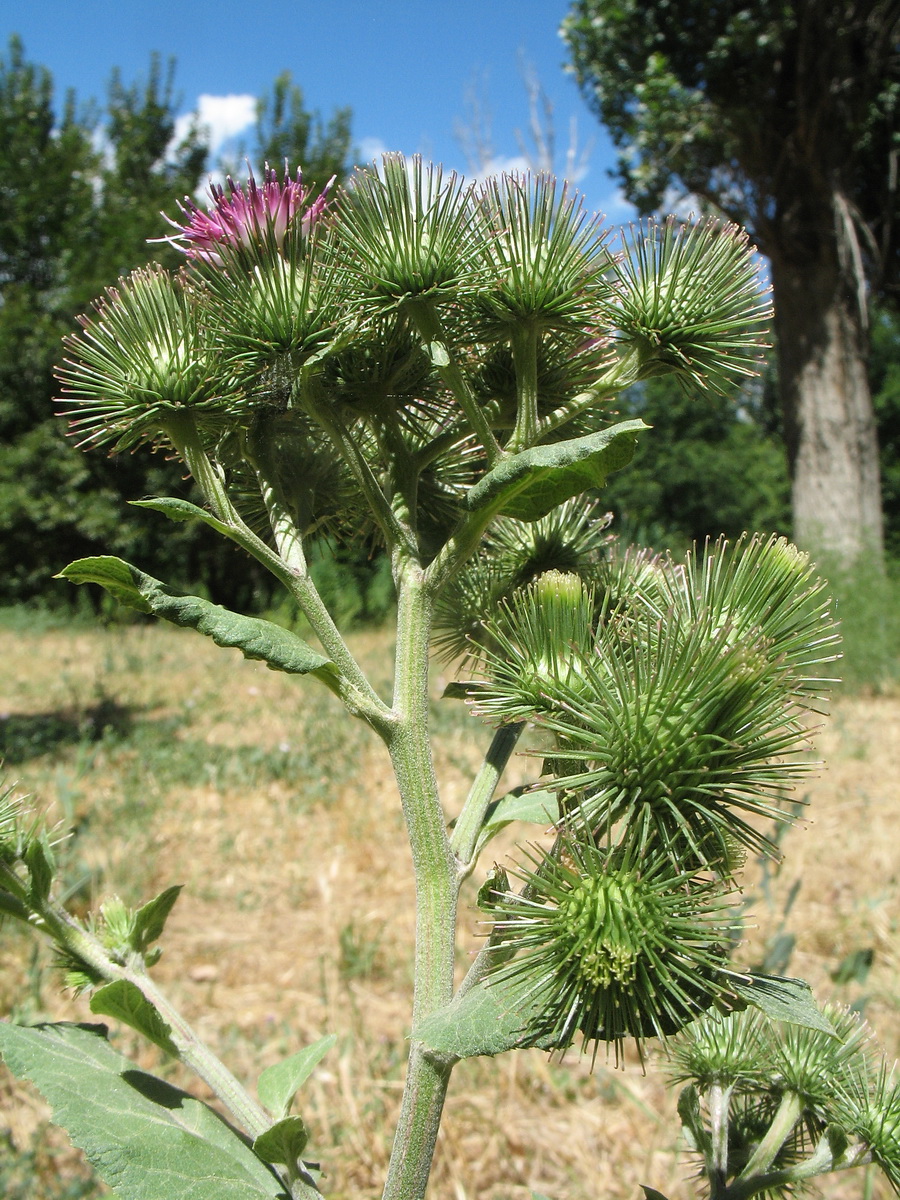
783 115
73 218
286 130
713 464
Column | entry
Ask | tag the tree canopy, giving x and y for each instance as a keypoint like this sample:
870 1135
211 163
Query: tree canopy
783 115
81 190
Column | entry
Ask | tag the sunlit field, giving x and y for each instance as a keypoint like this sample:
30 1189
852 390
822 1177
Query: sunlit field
175 762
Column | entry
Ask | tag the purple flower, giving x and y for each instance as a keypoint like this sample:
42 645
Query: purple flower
238 218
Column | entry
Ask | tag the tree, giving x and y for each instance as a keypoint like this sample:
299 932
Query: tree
72 220
287 132
782 114
681 484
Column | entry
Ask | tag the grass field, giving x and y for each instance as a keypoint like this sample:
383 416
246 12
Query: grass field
176 762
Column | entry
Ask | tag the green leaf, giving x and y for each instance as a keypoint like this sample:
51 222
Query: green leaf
279 1083
283 1143
489 1018
40 863
788 1000
257 639
150 919
125 1001
855 967
532 483
692 1119
536 808
183 510
146 1139
651 1193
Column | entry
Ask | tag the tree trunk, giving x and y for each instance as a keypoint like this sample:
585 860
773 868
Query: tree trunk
830 429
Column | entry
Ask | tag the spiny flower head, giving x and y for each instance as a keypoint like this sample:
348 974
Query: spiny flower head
241 218
614 946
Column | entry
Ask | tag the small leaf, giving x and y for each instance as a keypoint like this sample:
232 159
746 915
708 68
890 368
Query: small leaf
788 1000
182 510
692 1119
496 882
279 1083
150 919
283 1143
124 1001
147 1139
40 863
651 1193
532 483
256 639
488 1019
462 689
536 808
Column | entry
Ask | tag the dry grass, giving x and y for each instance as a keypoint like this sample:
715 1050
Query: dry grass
178 762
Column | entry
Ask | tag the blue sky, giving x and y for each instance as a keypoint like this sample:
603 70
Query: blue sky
407 68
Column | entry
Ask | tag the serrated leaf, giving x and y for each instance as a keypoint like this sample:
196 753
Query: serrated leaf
125 1001
256 639
279 1083
535 808
146 1139
488 1019
789 1000
150 919
283 1143
531 484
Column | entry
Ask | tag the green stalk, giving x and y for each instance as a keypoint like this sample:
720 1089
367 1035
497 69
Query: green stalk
787 1116
719 1099
525 357
428 326
354 687
434 865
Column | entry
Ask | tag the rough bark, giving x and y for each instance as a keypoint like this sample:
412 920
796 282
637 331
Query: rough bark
830 428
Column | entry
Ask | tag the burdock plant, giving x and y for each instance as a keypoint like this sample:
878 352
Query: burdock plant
432 366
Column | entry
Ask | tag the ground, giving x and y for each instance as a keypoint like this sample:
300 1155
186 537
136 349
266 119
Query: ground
177 762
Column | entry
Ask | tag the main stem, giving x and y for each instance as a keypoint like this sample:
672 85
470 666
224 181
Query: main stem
427 1074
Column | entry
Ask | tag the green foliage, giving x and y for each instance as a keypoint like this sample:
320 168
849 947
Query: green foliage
709 468
73 220
287 132
145 1137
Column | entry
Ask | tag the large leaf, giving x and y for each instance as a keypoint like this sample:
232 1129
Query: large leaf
146 1139
278 648
488 1019
788 1000
277 1084
532 483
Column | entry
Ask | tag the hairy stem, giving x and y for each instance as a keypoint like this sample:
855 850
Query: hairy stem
434 865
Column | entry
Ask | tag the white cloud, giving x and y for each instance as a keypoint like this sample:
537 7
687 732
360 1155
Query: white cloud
222 118
371 149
